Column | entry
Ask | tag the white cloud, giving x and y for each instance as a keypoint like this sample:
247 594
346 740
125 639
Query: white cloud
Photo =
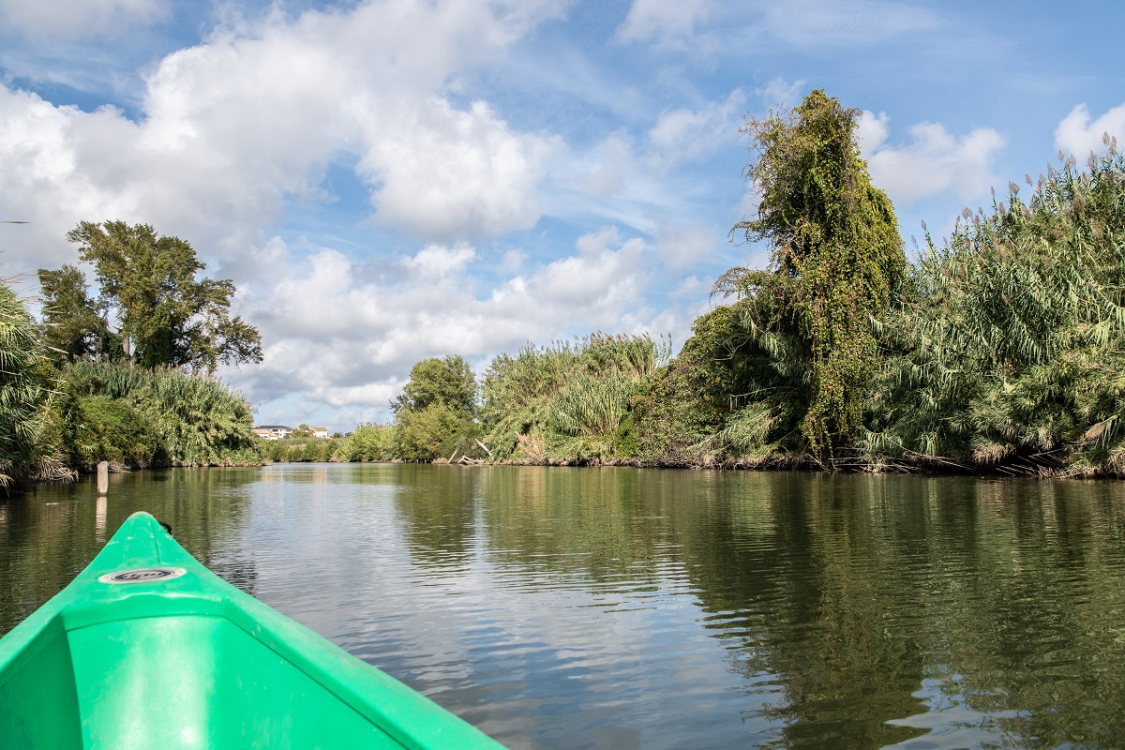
665 23
692 287
619 183
872 131
601 172
685 135
1076 133
443 173
51 174
781 94
233 128
934 162
71 19
338 337
435 261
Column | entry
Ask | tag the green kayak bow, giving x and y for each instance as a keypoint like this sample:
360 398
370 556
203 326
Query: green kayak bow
147 649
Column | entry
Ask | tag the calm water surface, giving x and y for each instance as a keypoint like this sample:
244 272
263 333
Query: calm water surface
623 608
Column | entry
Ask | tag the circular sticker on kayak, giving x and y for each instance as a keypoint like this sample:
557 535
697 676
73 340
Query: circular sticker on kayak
142 575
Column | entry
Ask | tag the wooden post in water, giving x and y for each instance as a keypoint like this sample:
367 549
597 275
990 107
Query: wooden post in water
103 478
99 517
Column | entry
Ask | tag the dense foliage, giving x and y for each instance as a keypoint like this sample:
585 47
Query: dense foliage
75 325
1013 354
434 415
568 400
366 443
119 412
1001 349
25 392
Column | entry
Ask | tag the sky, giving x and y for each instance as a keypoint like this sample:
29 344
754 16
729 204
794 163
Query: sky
392 180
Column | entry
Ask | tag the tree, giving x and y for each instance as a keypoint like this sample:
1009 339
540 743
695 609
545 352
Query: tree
432 432
75 327
148 286
837 262
448 381
436 408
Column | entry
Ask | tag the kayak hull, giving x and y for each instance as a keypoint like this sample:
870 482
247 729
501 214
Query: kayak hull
180 659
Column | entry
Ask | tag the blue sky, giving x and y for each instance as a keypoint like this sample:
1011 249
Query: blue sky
392 180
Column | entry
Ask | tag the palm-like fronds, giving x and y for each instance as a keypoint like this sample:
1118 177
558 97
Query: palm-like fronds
120 411
546 396
1015 347
24 389
200 421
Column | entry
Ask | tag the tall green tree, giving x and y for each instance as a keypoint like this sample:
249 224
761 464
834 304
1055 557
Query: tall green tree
448 381
436 409
837 262
148 285
74 326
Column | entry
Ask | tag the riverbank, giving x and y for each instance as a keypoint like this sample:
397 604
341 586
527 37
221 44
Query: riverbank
334 450
998 352
88 411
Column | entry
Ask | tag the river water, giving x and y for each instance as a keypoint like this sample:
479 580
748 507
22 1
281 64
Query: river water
626 608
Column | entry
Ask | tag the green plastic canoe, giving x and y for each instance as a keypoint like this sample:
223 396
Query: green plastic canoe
149 649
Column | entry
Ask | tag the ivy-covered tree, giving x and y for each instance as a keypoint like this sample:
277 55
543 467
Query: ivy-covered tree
836 263
148 287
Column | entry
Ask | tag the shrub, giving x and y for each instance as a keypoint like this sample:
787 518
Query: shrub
25 392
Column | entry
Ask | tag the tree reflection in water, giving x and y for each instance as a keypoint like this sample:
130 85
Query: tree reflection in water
616 607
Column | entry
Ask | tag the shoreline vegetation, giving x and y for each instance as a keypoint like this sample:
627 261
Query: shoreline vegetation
1000 350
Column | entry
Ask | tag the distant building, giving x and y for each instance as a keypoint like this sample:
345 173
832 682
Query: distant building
320 432
273 431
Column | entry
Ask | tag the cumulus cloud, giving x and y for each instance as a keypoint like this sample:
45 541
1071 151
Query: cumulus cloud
685 135
665 23
1079 135
231 129
443 173
872 131
337 335
49 174
70 19
933 162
